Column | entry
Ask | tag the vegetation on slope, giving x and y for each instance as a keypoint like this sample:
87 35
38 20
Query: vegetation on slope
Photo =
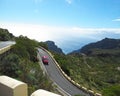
95 73
21 63
102 46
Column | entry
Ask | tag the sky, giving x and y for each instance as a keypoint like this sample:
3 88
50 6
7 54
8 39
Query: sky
70 23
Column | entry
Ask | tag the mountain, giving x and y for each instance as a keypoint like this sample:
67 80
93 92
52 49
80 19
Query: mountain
51 46
5 35
104 47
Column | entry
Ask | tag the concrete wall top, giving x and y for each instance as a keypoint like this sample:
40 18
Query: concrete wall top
10 82
5 46
42 92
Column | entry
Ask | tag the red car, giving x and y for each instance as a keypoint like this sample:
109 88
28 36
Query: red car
45 60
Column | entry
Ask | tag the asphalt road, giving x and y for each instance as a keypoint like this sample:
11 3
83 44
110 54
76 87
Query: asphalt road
6 43
57 77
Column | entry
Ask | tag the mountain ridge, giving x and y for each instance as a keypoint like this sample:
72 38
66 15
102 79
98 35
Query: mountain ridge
106 44
53 47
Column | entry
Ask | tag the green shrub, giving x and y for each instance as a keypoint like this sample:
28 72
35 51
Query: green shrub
112 91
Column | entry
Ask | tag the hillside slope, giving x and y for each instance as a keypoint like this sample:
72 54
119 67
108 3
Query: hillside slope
104 47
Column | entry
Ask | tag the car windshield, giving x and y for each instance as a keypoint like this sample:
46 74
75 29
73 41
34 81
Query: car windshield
45 58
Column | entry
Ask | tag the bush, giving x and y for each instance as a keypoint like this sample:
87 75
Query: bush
112 91
10 65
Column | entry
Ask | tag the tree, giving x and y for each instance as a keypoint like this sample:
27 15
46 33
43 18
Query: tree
5 35
43 44
10 65
26 48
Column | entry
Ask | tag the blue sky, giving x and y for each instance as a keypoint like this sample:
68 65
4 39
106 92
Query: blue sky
82 13
63 21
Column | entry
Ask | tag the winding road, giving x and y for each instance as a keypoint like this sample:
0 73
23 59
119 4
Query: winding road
57 77
6 43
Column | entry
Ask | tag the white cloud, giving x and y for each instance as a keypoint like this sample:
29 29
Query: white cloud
73 37
69 1
45 32
118 19
38 32
96 30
